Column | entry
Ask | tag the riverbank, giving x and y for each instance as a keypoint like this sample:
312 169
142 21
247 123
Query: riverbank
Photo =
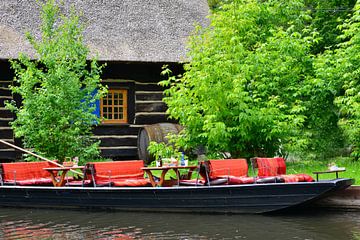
345 199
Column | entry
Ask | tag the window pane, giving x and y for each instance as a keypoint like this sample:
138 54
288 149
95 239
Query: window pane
114 105
121 113
110 100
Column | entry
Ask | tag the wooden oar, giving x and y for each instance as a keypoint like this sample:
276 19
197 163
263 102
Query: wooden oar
37 156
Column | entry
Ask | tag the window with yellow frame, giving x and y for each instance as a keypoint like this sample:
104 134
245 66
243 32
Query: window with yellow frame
113 106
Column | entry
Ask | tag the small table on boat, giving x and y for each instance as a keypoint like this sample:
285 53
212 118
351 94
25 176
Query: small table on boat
164 170
59 179
336 171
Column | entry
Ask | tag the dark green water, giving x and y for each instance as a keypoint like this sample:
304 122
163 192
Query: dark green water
59 224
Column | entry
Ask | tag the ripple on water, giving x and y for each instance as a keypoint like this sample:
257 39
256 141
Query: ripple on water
48 224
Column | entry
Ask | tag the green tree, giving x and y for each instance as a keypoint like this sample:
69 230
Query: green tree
245 87
259 84
340 69
326 16
58 90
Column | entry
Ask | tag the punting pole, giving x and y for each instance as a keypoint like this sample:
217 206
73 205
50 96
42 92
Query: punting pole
37 156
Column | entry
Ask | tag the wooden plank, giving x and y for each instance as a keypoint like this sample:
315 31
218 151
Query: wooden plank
5 122
114 129
3 99
6 133
5 92
116 154
7 155
3 146
149 106
148 87
149 96
5 84
151 118
4 113
109 141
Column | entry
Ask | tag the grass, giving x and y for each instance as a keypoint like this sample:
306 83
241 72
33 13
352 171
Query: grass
308 167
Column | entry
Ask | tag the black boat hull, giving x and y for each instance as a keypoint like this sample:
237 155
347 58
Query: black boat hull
252 198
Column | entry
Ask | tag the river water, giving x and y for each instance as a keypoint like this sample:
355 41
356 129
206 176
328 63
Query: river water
61 224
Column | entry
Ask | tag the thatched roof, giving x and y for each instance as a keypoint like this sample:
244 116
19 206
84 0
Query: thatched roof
116 30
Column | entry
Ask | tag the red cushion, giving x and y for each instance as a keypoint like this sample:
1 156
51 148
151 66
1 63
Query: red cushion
228 167
132 183
192 182
301 177
232 180
290 178
118 170
27 173
37 181
281 165
305 177
78 182
271 166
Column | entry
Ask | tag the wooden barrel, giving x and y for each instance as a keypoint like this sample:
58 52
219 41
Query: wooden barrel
157 133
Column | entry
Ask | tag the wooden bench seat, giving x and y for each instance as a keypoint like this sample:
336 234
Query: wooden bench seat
26 173
276 167
119 173
223 171
235 171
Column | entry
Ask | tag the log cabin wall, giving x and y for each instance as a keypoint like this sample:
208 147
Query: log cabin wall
118 141
145 105
6 133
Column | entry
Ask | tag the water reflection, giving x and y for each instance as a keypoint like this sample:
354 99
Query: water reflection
49 224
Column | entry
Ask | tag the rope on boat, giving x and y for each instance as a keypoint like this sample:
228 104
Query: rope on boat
37 156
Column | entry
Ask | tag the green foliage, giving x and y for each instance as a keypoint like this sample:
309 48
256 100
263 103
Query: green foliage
162 150
216 4
327 15
259 82
340 68
58 90
242 91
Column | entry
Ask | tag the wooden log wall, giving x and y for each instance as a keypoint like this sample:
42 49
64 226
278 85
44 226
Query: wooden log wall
6 153
118 141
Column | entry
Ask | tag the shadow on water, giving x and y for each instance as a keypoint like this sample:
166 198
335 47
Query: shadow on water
60 224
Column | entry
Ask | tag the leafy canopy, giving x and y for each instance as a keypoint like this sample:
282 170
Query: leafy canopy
340 67
58 90
259 82
243 90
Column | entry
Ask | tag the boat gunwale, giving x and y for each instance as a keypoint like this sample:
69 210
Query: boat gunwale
321 182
